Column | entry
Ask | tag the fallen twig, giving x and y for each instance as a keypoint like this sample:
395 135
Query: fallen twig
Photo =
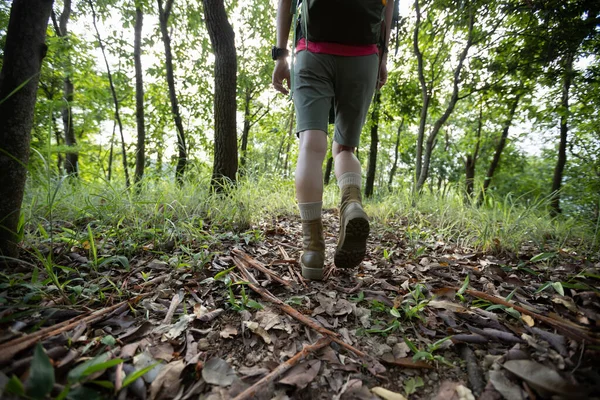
9 349
292 312
474 372
256 265
282 368
407 363
571 330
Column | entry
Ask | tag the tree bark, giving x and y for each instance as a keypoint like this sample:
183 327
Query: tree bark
140 154
163 16
114 96
328 169
372 165
471 160
246 131
425 95
564 129
395 164
429 145
221 34
499 148
24 51
72 156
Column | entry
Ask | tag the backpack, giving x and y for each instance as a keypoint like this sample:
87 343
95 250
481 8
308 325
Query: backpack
353 22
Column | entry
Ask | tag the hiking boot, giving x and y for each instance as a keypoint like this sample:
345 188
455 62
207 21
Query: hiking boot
354 230
313 257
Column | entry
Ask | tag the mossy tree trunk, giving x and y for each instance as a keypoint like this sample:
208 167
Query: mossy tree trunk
23 54
222 38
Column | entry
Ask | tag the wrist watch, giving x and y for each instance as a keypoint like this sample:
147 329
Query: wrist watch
277 53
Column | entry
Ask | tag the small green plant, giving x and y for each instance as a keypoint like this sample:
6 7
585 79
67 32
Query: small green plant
427 354
412 306
244 301
411 385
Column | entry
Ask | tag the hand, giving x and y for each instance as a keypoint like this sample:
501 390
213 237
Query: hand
383 73
281 73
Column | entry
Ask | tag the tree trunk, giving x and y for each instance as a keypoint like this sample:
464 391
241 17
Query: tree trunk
286 163
471 160
328 169
425 95
372 165
564 129
246 132
72 156
426 155
24 51
140 154
223 42
114 96
499 148
395 164
163 16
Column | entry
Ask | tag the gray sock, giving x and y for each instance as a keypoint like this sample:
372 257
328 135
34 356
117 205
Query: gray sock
349 179
310 211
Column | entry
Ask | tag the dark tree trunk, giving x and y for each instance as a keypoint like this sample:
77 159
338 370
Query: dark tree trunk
223 42
163 16
72 156
286 163
372 165
114 96
22 59
564 129
328 169
140 154
423 164
471 160
395 164
499 148
246 132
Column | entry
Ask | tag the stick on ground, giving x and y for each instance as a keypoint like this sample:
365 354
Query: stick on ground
282 368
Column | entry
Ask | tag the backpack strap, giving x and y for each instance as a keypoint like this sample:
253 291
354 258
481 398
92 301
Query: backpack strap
294 12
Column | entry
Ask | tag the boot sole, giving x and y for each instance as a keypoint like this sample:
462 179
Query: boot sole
313 274
352 250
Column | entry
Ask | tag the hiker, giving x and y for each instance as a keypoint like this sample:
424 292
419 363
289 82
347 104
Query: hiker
339 62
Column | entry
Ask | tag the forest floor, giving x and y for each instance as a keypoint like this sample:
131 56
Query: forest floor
433 320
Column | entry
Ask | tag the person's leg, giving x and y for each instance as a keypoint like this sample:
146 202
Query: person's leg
313 91
355 84
309 193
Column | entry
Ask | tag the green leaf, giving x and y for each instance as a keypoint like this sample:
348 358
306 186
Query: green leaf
254 304
359 298
411 346
422 355
464 286
108 340
542 257
96 364
512 312
543 287
558 288
14 386
41 374
129 379
511 295
105 384
222 274
394 311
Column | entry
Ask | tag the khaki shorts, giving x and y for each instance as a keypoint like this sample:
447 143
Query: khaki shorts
348 81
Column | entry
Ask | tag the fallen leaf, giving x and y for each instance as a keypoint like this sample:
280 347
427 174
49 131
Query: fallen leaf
216 371
167 383
528 320
144 360
254 327
387 394
504 386
541 377
228 332
302 374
